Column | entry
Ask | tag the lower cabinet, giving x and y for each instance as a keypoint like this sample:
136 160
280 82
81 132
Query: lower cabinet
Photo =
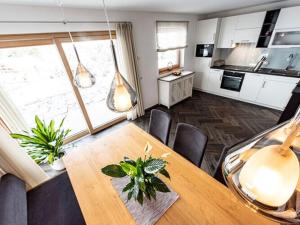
261 89
276 93
251 86
172 92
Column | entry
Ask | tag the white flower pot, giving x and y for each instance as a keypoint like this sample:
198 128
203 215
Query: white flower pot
58 165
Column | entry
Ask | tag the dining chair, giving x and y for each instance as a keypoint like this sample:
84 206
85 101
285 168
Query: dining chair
190 142
160 125
218 174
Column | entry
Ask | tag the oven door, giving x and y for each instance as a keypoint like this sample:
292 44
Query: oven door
232 81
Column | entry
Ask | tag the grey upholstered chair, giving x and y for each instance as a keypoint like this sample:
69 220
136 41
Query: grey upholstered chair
190 142
160 124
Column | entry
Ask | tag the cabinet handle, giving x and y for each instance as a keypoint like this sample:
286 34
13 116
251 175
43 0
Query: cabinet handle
264 84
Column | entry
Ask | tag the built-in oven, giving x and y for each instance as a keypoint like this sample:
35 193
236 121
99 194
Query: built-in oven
232 80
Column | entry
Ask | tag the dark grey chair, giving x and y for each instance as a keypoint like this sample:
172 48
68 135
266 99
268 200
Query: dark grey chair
190 142
218 174
160 125
52 203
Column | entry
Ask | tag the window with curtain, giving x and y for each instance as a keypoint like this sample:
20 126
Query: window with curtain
171 40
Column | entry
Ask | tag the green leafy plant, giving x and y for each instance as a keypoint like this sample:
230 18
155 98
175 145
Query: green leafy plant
143 175
44 143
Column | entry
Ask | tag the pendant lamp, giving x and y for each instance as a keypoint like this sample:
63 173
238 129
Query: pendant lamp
121 97
264 174
83 77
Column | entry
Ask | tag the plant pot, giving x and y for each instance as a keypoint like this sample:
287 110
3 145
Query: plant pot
58 165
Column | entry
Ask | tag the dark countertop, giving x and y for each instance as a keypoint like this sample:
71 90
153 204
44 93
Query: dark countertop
267 71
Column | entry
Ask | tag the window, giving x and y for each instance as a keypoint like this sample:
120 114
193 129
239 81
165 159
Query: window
36 79
171 42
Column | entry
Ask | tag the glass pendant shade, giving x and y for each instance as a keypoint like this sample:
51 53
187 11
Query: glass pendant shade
121 97
264 173
83 77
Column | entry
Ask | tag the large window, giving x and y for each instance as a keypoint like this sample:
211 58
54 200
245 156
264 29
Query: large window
36 73
171 42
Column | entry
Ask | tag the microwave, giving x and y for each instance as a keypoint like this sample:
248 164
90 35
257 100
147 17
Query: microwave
204 50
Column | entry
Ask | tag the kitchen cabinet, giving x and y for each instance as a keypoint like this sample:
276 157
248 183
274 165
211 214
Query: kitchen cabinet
275 91
202 68
250 20
251 86
240 29
173 89
247 35
288 18
226 33
215 78
206 31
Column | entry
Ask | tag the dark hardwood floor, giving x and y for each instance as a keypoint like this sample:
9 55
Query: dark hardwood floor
224 120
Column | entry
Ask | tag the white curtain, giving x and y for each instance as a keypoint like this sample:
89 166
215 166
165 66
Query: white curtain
128 65
171 35
15 160
10 115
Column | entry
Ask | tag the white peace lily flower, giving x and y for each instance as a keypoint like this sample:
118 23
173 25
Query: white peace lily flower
148 148
165 155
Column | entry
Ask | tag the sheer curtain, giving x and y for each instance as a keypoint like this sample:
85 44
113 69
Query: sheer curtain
128 65
15 160
10 117
171 35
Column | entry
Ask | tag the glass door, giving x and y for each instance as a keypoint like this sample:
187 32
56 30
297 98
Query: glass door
96 56
30 86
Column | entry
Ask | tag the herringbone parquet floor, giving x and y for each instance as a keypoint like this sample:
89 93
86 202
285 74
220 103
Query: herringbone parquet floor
224 120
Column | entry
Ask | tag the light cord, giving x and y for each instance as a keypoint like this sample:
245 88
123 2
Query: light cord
107 19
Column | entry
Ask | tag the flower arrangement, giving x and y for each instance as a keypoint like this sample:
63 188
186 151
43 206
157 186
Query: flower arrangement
143 175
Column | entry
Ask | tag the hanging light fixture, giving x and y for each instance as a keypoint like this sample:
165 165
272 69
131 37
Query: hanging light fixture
83 77
266 175
121 97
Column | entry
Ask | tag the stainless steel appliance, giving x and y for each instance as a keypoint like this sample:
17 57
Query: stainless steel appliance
204 50
232 80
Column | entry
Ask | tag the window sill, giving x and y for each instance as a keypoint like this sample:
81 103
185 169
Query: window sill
168 72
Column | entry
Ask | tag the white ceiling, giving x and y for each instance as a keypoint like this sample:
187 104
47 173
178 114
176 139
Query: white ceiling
178 6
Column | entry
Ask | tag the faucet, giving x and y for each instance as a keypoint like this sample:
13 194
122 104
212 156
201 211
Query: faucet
260 63
290 60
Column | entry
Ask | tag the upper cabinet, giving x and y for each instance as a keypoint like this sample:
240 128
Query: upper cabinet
288 18
287 29
251 20
240 29
227 30
206 31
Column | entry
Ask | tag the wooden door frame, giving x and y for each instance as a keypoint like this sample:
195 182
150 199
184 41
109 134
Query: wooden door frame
25 40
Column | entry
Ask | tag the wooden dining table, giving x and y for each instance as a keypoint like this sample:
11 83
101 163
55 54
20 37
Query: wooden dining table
202 199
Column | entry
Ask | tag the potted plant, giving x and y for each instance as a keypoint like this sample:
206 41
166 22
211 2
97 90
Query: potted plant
45 143
142 175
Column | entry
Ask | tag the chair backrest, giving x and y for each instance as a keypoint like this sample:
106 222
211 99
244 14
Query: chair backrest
190 142
13 201
160 125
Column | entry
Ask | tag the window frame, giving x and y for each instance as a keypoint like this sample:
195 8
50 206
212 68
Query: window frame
26 40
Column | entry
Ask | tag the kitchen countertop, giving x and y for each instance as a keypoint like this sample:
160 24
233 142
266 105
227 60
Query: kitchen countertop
172 77
267 71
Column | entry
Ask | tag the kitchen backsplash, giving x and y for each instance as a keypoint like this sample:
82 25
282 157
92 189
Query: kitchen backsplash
249 55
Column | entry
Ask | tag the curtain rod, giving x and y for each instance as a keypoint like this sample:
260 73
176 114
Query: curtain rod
62 22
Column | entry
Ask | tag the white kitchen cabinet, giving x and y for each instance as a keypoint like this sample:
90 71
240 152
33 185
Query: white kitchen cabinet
206 31
227 32
215 78
288 18
173 89
247 35
202 68
251 86
250 20
275 91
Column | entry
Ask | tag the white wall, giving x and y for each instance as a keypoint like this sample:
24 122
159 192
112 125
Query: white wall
143 28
